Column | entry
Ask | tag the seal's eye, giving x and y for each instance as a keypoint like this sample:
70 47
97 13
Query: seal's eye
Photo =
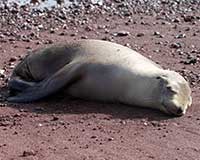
169 88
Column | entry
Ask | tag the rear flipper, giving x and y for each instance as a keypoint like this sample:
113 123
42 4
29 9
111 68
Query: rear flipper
67 75
16 85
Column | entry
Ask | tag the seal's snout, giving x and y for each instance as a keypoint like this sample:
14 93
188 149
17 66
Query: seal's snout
175 111
174 107
180 112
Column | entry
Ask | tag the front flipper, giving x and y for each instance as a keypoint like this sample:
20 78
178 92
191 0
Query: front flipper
67 75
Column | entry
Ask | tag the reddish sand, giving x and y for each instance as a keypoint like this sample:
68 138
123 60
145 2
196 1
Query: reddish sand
61 128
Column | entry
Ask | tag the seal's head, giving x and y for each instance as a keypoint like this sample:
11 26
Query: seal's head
175 93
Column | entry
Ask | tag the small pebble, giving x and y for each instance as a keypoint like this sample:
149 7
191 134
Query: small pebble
140 35
121 33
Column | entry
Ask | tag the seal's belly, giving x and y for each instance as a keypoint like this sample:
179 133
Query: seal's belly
104 83
114 83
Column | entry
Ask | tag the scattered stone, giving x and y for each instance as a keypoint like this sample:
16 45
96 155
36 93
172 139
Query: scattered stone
2 73
28 47
110 139
187 29
158 124
11 39
38 42
158 34
12 59
2 36
189 18
73 34
123 122
194 34
121 33
3 104
140 34
93 137
106 38
40 124
28 153
101 27
84 37
88 28
5 123
128 45
62 33
61 122
94 129
190 60
54 118
11 65
107 31
54 129
40 27
176 20
49 41
181 35
3 145
176 45
145 123
52 30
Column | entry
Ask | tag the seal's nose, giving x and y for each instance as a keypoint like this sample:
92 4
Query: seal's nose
180 112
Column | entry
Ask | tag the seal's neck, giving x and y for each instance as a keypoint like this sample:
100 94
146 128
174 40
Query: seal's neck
144 91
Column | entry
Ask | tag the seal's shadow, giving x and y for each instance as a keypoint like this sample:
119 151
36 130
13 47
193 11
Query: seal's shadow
60 104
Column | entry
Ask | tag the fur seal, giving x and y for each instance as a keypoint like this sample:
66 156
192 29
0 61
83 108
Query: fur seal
102 71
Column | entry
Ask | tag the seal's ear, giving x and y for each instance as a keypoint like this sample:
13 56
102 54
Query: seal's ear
164 84
162 79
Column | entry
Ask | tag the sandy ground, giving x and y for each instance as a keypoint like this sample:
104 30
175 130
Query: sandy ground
64 128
